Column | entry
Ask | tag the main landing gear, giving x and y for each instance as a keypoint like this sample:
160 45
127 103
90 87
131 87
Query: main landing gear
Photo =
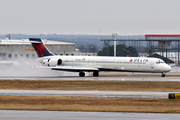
95 74
81 74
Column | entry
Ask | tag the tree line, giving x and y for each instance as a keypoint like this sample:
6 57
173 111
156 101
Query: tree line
121 50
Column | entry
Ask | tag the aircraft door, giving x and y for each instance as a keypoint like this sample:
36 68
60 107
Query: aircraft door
91 62
152 65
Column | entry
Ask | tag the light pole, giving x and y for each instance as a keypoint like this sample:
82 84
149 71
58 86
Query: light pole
114 36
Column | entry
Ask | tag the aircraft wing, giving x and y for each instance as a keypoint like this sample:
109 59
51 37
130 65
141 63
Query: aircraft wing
74 68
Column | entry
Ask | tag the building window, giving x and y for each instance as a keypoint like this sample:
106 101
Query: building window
33 55
21 55
10 55
2 54
72 54
66 54
16 55
61 54
27 55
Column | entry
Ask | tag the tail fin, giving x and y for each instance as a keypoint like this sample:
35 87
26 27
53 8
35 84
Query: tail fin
39 47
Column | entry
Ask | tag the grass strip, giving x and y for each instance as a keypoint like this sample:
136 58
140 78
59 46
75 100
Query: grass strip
99 104
161 86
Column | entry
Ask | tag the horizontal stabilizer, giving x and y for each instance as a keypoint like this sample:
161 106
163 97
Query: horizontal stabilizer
34 42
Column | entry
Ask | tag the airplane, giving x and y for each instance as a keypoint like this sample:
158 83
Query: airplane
96 64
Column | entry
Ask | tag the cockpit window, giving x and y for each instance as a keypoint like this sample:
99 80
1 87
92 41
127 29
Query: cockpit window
159 61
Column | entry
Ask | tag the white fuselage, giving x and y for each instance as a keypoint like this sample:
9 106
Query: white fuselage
129 64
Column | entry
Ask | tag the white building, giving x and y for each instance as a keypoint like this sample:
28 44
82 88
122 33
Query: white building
15 49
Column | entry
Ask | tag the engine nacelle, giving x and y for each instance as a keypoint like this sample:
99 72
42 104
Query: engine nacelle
52 62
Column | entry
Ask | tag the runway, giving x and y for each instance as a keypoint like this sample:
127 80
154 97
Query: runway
65 115
84 93
70 115
28 73
111 78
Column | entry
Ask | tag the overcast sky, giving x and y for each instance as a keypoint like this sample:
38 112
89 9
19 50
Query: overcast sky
124 17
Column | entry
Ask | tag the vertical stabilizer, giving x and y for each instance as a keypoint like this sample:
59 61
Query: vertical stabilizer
39 47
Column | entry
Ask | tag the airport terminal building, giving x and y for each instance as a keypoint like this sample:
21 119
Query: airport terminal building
17 49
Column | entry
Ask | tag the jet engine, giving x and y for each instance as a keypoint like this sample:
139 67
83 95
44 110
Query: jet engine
52 62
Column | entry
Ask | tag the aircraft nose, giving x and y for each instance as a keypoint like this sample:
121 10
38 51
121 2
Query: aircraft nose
168 68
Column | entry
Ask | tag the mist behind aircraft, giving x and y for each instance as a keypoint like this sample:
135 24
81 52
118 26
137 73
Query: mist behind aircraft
23 68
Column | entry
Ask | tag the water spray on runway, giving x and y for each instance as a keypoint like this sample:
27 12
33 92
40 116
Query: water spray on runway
23 67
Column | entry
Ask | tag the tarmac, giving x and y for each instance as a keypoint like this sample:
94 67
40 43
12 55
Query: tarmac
84 93
41 74
109 78
71 115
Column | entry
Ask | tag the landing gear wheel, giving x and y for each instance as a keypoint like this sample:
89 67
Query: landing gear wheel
163 75
95 73
81 74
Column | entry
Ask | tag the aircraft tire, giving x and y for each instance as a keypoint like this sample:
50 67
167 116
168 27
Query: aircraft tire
81 74
95 73
163 75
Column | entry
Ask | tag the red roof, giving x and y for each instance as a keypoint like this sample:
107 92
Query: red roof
162 35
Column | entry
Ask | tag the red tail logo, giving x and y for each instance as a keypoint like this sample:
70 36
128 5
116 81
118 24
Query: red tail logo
40 50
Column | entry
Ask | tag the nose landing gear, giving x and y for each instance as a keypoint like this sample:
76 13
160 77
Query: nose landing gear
163 74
